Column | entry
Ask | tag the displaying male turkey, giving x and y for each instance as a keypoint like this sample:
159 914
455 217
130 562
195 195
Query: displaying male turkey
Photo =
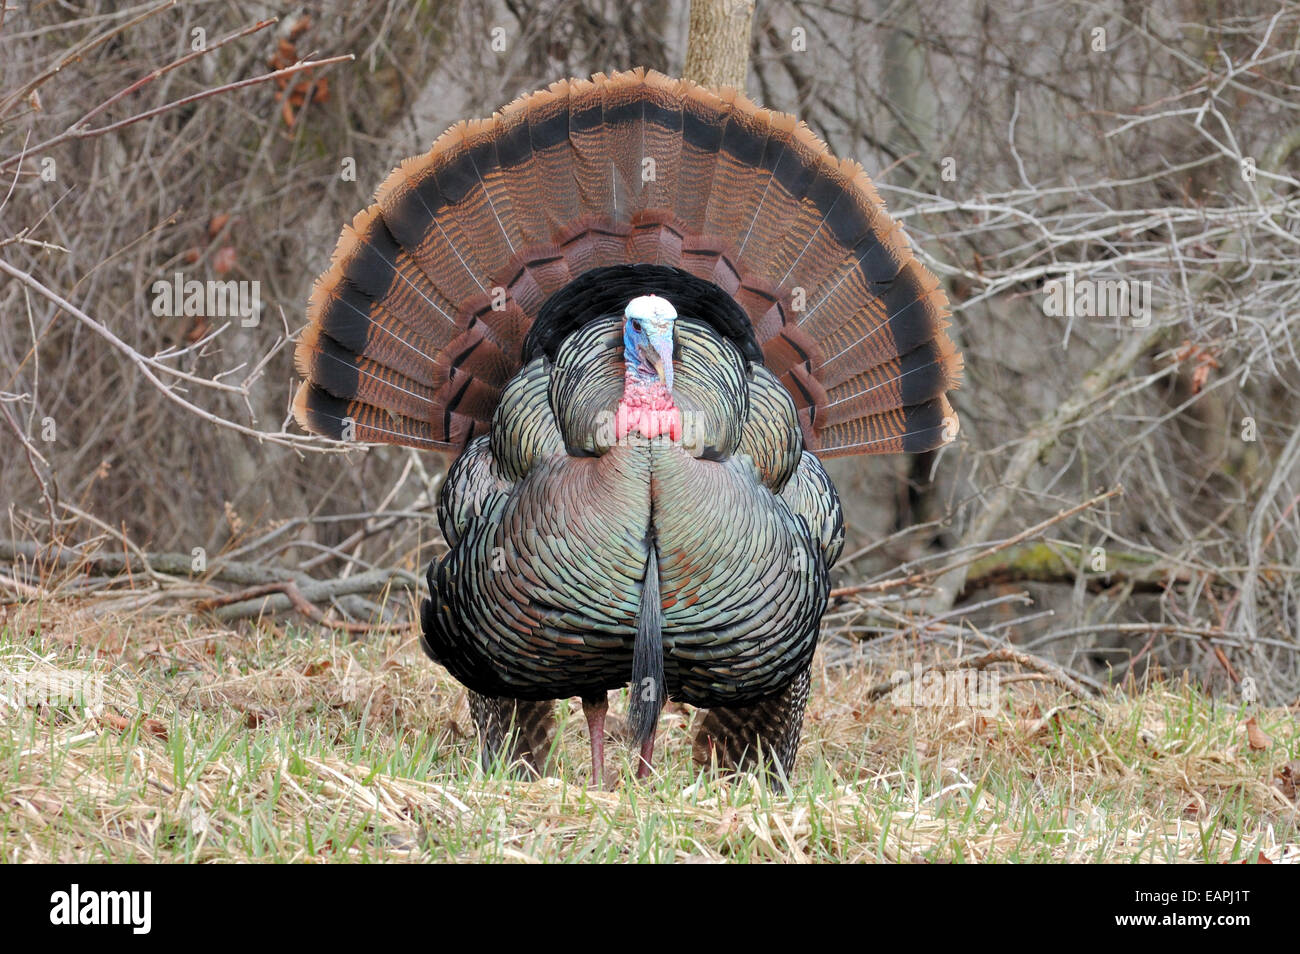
639 311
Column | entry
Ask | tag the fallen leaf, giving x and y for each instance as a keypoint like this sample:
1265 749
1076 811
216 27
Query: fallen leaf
1258 738
728 824
1288 778
121 724
1035 727
114 721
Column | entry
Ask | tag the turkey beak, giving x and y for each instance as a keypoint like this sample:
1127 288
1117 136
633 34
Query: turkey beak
665 366
658 356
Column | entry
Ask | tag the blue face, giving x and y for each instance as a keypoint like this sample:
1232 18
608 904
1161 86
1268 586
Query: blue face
648 339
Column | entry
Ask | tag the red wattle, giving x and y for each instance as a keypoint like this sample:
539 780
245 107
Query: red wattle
647 408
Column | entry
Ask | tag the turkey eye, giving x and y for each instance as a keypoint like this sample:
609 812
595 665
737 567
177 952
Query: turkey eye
636 326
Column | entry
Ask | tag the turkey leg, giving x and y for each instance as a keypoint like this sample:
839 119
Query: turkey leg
647 753
595 709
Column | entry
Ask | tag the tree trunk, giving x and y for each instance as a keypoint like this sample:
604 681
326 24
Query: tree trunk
717 48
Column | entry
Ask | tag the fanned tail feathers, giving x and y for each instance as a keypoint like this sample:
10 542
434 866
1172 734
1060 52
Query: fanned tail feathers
422 316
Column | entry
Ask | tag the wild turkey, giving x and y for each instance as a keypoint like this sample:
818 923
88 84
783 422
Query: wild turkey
638 311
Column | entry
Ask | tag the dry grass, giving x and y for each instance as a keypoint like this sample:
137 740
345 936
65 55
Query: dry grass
267 744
